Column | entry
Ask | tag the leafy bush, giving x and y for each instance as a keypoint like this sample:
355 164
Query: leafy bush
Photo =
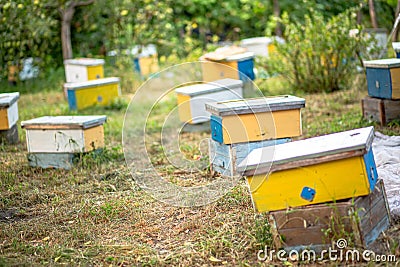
319 55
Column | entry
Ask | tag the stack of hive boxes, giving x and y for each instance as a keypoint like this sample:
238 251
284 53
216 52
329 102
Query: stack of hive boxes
85 83
383 101
239 126
54 141
9 117
318 190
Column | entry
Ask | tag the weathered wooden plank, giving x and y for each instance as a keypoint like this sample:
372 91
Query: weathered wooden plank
64 122
304 227
51 160
380 110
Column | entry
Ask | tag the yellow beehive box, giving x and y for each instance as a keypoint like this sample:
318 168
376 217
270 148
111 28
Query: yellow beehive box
192 98
238 66
96 92
256 119
8 110
83 69
311 171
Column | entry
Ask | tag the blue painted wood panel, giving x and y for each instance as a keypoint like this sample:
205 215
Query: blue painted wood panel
246 70
71 99
216 128
379 83
371 168
51 160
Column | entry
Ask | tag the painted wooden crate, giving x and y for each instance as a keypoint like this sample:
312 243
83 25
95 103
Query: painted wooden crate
53 141
396 48
95 92
9 117
192 98
360 220
83 69
383 78
380 110
225 158
311 171
239 66
146 65
257 119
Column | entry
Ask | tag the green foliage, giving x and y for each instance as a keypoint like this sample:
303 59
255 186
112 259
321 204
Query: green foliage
319 55
27 29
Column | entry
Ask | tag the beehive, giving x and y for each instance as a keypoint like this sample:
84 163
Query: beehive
315 227
311 171
396 48
380 110
192 98
257 119
239 66
225 158
83 69
383 78
9 117
145 59
52 141
95 92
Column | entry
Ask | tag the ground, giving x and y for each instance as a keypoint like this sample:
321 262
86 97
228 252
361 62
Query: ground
96 214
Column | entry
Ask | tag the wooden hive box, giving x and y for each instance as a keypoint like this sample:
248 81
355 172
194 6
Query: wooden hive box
311 171
95 92
383 78
225 158
146 65
257 119
396 48
380 110
239 66
9 117
192 98
359 221
83 69
52 141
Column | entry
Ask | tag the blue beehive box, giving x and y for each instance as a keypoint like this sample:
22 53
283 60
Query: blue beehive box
383 78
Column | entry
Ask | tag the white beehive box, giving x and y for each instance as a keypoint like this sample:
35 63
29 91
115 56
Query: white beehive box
192 98
83 69
64 134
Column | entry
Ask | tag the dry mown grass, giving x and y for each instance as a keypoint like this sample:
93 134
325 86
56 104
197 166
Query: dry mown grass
95 214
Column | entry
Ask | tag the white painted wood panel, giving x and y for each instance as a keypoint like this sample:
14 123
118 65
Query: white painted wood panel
55 141
198 103
75 73
12 114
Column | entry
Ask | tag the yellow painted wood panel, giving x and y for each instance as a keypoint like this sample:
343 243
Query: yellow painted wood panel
4 125
213 71
94 138
148 65
261 126
395 75
184 110
90 96
95 72
335 180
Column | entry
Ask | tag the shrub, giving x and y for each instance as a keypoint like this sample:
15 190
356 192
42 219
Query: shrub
319 55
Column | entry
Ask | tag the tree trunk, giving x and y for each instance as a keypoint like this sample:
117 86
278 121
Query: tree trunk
396 32
372 13
277 14
359 16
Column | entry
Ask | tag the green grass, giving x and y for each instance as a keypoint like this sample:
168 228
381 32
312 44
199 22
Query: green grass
95 214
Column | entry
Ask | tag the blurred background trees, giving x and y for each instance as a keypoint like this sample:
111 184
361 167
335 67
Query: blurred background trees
32 28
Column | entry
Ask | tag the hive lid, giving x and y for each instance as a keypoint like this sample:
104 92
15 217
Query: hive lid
91 83
255 105
383 63
210 87
240 57
7 99
84 61
64 122
308 151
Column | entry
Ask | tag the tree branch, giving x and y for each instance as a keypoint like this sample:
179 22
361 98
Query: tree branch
82 3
